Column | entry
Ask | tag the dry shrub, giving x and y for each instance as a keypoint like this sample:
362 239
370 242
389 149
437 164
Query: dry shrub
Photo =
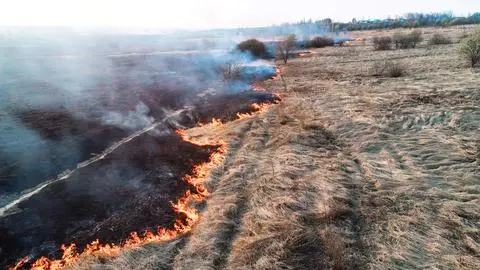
255 47
231 71
439 39
382 43
407 41
388 68
470 48
319 42
415 37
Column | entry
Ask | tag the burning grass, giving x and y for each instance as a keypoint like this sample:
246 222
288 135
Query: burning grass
186 214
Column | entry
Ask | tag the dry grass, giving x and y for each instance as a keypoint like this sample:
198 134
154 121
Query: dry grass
270 209
414 142
388 68
148 257
349 172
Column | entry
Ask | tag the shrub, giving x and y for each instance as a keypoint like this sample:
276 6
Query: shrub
400 40
407 41
382 43
439 39
319 42
470 48
254 47
388 68
415 37
230 71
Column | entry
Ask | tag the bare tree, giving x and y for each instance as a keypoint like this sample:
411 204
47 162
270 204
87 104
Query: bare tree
285 47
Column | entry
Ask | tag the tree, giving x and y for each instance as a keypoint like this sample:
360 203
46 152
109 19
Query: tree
285 47
470 48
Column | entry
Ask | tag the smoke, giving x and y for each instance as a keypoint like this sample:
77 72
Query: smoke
134 120
65 94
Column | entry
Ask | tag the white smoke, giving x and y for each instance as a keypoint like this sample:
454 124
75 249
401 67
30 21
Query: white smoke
134 120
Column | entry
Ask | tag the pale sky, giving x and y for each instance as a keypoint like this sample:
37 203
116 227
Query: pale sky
197 14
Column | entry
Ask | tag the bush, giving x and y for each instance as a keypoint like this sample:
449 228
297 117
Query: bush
407 41
401 41
470 48
254 47
230 71
439 39
382 43
319 42
415 37
388 68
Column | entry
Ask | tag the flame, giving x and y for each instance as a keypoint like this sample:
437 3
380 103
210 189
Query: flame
188 216
279 72
215 123
304 53
20 263
256 109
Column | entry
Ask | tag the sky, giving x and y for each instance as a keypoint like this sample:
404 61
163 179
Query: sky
195 14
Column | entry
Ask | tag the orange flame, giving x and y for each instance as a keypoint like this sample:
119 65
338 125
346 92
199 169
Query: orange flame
20 263
279 72
189 216
215 122
256 109
304 53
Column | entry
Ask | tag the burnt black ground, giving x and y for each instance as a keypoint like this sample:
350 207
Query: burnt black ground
130 190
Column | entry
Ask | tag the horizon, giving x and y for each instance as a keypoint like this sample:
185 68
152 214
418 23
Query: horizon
207 16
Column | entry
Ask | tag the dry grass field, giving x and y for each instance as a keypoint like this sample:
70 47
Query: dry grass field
350 171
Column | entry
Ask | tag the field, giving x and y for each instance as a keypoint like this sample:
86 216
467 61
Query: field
349 171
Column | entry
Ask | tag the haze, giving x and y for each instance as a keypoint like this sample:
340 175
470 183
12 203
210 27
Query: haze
191 14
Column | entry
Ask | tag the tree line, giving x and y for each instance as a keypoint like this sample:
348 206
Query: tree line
410 20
